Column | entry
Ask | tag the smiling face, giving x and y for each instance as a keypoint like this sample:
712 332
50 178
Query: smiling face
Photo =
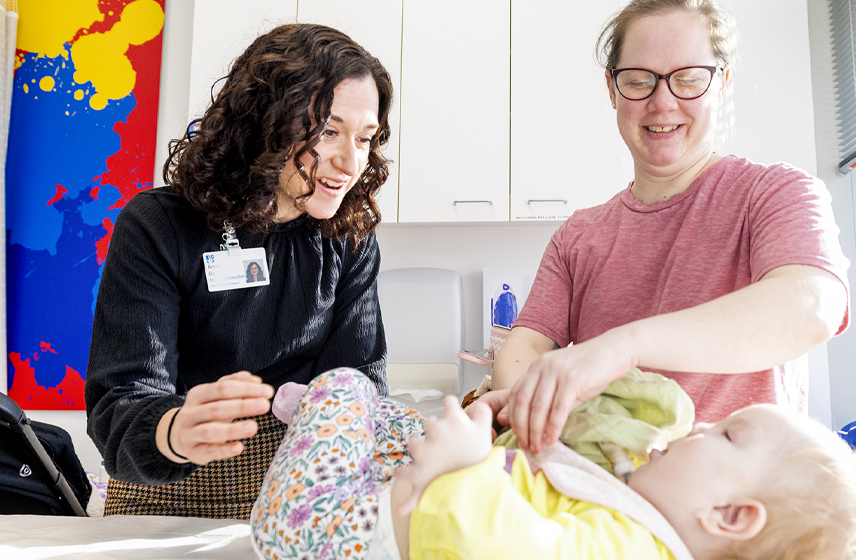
718 464
254 269
667 135
343 154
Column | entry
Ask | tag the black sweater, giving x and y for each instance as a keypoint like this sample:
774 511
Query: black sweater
158 331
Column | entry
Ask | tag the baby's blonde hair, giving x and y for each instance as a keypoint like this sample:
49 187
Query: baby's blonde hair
810 502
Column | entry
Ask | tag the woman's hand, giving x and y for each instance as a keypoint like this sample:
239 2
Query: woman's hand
455 442
559 381
202 430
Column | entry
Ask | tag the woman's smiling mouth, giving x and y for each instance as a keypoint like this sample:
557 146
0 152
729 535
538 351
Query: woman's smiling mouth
669 128
331 184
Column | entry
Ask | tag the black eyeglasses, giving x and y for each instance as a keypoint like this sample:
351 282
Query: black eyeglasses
637 84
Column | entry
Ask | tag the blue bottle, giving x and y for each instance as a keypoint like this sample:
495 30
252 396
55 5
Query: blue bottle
503 307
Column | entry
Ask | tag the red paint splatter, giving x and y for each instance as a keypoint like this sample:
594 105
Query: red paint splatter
20 54
131 169
29 395
109 19
103 244
93 192
46 347
60 190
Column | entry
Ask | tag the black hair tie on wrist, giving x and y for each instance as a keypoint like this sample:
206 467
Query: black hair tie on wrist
169 439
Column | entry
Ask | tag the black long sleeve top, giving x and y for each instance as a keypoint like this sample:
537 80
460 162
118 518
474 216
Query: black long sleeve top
158 330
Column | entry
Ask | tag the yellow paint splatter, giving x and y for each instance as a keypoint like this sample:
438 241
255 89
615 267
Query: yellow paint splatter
100 57
44 25
78 94
26 88
47 83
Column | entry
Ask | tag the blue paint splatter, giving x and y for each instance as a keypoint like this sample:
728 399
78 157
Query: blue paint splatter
52 271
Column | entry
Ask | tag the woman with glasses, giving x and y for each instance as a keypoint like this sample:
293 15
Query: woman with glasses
716 271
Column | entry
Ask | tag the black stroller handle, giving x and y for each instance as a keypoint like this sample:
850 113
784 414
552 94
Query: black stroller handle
12 415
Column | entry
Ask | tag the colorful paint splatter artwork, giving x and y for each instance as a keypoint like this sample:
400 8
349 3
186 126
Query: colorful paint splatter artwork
81 144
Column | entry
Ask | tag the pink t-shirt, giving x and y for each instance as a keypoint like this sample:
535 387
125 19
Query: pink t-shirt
624 261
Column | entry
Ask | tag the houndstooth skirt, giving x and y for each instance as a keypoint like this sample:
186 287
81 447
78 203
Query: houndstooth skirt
219 490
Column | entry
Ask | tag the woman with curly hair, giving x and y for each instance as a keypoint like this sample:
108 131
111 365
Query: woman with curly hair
283 170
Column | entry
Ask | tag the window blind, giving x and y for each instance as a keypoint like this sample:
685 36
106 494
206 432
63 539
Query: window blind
844 76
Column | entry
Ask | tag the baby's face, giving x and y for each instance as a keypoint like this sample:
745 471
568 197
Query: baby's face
718 462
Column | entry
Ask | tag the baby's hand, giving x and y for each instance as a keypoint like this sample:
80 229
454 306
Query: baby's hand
497 401
455 442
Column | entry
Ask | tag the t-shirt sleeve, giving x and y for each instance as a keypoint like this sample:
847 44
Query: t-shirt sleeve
132 370
791 223
548 306
357 338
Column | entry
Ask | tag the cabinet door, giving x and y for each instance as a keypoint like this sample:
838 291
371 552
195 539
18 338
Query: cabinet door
376 25
566 152
222 29
455 86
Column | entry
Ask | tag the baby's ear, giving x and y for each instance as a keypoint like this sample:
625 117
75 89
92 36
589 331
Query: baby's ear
740 520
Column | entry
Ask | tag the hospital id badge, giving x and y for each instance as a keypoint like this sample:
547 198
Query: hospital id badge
230 270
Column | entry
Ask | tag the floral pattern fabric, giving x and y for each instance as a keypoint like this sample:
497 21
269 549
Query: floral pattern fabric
319 498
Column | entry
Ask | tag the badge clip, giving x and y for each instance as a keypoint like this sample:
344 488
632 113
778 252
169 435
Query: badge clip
230 241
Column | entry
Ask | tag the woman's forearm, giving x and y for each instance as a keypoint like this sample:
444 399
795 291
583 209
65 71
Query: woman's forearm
783 316
519 350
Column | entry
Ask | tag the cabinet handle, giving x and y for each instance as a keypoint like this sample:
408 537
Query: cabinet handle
456 202
562 200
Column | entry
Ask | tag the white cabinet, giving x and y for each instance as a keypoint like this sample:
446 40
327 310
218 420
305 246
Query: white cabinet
376 25
566 152
455 87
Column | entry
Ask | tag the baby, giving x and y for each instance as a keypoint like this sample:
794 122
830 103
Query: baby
763 483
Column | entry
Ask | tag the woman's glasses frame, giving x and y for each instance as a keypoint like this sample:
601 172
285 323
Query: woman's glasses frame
616 71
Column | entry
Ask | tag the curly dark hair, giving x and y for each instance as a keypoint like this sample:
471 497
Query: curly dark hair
273 106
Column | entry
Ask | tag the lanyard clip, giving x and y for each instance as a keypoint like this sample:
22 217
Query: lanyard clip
230 241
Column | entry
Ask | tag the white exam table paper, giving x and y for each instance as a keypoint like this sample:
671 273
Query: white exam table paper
131 537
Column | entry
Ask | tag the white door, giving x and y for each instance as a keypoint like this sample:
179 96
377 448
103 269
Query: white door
566 150
455 87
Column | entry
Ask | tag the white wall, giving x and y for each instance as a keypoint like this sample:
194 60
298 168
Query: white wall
842 349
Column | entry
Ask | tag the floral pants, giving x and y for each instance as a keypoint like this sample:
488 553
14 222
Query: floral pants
319 498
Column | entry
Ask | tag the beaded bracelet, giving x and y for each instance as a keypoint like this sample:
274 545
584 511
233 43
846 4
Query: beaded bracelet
169 439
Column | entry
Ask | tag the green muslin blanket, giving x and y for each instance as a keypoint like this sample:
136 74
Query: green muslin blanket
637 413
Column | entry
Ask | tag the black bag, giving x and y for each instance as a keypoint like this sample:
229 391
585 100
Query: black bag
40 473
